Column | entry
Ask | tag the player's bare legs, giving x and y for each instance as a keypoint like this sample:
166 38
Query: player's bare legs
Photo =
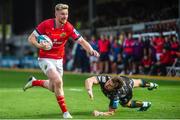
143 83
142 105
57 85
40 83
54 84
37 82
49 85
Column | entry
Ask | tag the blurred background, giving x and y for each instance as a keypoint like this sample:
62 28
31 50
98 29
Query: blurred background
140 37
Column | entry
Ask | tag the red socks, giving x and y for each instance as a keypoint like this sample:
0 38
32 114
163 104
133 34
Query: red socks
61 102
38 83
60 99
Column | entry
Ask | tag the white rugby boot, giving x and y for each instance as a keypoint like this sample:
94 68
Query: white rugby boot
146 106
29 83
153 86
67 115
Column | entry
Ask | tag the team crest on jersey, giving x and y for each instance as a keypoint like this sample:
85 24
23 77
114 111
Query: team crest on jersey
62 35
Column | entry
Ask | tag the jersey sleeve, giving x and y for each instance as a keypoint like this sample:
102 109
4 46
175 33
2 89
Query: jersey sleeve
40 29
75 34
103 78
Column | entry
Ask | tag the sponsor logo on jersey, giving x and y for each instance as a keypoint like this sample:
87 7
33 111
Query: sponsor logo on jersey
62 35
57 42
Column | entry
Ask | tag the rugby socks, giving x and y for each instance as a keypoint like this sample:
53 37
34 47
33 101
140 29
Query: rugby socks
38 83
144 83
136 104
61 102
149 85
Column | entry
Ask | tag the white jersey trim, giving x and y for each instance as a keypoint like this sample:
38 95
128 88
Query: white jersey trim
36 33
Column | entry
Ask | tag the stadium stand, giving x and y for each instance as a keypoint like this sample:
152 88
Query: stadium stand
114 19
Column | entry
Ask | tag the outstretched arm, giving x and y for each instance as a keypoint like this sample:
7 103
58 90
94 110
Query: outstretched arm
108 113
89 84
87 47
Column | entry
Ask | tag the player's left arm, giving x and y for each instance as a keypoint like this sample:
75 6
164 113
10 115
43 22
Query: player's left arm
89 84
108 113
113 105
87 47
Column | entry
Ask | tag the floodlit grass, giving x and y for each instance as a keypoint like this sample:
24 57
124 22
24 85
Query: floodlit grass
39 103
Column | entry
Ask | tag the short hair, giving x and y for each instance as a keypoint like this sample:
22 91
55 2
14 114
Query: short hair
117 82
61 7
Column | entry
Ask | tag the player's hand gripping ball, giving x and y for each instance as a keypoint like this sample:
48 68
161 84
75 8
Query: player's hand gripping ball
45 41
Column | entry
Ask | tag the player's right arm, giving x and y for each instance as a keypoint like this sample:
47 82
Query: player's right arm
33 40
89 84
40 30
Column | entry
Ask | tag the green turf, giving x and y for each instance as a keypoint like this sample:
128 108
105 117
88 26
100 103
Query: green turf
39 103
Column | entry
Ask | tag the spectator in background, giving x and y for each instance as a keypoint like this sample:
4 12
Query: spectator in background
120 64
158 45
128 52
104 48
69 60
149 49
94 60
146 64
175 45
159 68
152 51
167 44
121 38
81 60
116 51
137 54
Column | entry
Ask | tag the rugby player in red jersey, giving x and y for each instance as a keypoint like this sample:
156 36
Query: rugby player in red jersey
59 30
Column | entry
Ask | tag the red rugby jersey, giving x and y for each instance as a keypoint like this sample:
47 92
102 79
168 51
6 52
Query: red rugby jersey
59 37
103 45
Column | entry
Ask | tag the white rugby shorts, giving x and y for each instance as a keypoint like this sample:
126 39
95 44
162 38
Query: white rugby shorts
47 63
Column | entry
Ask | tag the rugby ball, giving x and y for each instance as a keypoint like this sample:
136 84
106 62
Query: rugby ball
45 38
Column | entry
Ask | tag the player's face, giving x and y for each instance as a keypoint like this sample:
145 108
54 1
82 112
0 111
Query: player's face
62 15
109 85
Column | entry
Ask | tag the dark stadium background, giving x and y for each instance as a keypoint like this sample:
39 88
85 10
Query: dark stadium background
19 17
21 14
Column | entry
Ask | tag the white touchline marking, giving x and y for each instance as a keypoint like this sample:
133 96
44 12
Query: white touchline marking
75 89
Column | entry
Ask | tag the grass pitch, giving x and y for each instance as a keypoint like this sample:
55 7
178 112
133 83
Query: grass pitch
39 103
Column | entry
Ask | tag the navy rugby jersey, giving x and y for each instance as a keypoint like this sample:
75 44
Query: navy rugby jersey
120 93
